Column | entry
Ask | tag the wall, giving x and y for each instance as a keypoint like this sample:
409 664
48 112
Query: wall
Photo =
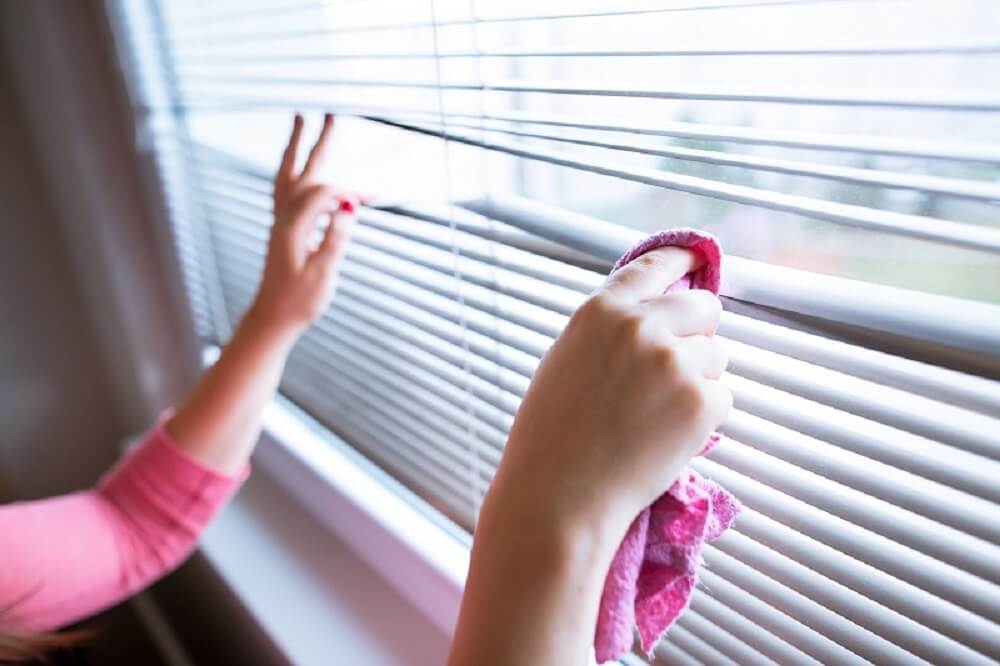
58 421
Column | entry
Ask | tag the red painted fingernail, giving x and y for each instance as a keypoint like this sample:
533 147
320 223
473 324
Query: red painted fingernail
347 206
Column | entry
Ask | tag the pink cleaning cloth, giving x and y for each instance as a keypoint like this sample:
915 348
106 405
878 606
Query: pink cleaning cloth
655 569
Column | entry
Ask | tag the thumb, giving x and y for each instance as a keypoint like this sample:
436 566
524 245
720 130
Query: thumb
648 275
303 212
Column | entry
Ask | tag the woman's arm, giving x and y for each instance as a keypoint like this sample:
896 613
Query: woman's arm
620 403
67 557
219 421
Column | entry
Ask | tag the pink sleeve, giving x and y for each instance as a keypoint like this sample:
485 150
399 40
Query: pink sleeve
67 557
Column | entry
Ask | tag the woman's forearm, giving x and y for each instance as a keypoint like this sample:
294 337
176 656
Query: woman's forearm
533 589
219 421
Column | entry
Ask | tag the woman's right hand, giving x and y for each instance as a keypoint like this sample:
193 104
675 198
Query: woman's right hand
624 398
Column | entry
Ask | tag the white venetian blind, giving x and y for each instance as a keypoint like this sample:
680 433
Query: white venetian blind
847 153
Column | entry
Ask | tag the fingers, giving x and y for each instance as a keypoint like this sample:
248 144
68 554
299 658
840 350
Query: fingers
286 171
683 313
318 154
704 355
649 275
325 261
303 212
337 237
718 401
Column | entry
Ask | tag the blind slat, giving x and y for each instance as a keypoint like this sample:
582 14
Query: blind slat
670 654
751 633
703 652
806 638
651 8
937 149
960 428
455 472
937 501
584 51
432 396
936 461
735 649
948 583
403 464
848 602
946 100
427 407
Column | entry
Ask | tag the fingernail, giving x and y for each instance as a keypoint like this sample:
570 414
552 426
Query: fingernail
347 206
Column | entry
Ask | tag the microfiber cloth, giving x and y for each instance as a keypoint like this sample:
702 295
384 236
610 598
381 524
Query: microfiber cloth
655 569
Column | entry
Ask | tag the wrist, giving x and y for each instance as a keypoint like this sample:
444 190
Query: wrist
599 512
268 331
559 535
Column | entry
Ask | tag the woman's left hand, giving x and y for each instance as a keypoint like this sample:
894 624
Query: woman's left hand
219 421
299 278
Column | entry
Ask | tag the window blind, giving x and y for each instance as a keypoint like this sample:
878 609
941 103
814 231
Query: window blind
846 152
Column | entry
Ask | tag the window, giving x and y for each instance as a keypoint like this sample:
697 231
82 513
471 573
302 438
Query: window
847 153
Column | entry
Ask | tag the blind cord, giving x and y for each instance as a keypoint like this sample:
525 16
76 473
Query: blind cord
456 269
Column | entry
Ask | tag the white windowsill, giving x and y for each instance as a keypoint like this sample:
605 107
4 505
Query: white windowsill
399 540
291 594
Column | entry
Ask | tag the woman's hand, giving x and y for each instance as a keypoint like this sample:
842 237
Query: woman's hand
219 421
299 278
624 398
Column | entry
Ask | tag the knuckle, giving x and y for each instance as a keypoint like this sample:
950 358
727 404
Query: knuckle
596 308
321 190
630 328
648 261
665 359
303 192
690 396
